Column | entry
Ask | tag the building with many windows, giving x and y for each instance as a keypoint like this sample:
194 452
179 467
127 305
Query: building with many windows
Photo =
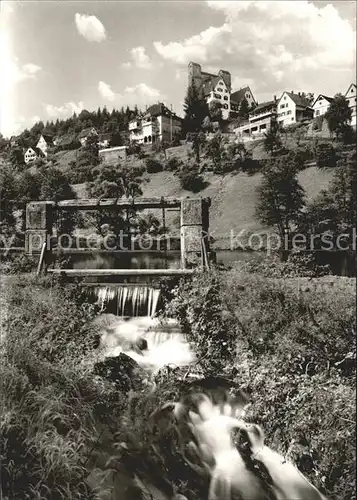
259 122
157 124
218 88
293 108
44 143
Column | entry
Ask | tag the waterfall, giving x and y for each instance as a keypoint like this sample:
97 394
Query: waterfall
131 301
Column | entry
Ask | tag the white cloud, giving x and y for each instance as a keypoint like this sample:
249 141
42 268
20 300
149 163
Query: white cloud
272 43
65 110
12 73
106 91
139 59
141 94
90 27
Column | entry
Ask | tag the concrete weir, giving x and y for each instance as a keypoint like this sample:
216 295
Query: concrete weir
194 226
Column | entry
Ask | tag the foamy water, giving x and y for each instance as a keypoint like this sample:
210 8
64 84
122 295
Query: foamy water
166 345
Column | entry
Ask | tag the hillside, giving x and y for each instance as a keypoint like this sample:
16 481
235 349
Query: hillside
233 198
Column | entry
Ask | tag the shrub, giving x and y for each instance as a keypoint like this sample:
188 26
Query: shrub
173 164
190 178
153 166
325 155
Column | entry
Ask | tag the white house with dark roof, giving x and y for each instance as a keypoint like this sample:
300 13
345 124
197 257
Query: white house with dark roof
351 96
293 108
85 133
238 97
215 87
45 141
31 154
321 105
157 124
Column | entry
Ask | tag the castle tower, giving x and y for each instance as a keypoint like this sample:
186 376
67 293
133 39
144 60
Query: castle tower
194 75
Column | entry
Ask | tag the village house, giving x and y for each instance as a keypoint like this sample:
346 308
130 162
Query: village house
293 108
31 154
238 97
45 141
158 124
321 105
259 122
218 88
85 133
352 101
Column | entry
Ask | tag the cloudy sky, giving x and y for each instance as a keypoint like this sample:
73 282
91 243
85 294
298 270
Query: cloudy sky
60 57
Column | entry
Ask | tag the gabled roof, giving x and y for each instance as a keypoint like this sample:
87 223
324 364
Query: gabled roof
264 105
327 98
48 137
352 85
160 109
38 151
239 95
299 100
85 132
209 85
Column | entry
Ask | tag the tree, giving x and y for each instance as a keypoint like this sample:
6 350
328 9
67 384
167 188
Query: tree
8 193
215 112
196 109
190 178
280 197
244 109
272 141
216 150
16 158
55 185
115 182
333 212
198 140
326 156
338 115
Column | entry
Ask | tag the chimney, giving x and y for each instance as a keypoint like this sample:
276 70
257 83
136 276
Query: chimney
291 92
275 98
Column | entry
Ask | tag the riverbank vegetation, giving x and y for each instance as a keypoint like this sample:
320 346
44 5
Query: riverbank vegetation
62 424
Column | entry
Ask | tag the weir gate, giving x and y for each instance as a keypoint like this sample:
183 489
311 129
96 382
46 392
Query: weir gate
194 234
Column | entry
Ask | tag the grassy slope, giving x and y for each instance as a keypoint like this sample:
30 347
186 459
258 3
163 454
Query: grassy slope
233 196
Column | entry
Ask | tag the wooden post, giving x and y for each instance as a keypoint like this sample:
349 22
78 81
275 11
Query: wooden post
39 221
194 229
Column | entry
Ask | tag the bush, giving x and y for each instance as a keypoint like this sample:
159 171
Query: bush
173 164
153 166
325 155
190 178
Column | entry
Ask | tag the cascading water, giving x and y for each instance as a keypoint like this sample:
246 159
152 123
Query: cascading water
129 301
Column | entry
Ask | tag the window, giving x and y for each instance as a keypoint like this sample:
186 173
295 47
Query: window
225 106
284 97
282 106
288 112
247 95
225 98
217 96
220 90
317 112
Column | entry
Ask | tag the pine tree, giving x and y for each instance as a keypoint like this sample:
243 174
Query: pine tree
196 110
